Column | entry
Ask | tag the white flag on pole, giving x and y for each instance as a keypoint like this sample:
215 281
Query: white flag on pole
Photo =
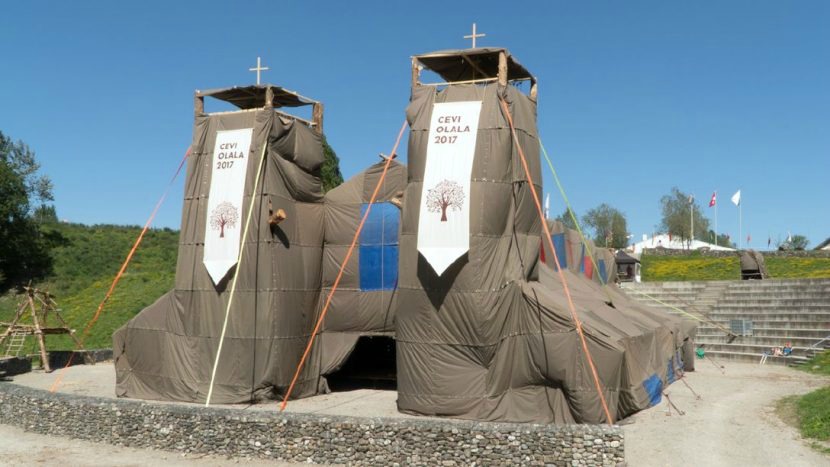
224 210
736 198
444 220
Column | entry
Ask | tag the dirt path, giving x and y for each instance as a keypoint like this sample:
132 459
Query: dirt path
21 448
734 422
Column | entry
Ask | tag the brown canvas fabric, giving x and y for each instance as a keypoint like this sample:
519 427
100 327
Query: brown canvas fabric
492 338
167 351
486 340
355 312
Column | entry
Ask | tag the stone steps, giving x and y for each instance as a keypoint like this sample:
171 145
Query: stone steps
784 310
771 302
767 341
781 324
757 331
756 357
774 296
810 317
746 347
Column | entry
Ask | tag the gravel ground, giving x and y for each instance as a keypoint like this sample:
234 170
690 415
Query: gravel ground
732 424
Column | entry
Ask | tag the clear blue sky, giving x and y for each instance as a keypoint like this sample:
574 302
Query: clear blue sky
634 97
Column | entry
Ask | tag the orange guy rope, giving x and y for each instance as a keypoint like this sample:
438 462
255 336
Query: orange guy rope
342 268
577 322
120 272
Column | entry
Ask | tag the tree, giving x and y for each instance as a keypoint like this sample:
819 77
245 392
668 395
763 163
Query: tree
223 215
330 170
799 242
722 240
677 212
794 242
447 194
567 218
609 226
24 254
45 214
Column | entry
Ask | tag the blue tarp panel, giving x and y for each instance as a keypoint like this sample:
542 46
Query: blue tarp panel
582 260
379 247
561 254
654 387
603 274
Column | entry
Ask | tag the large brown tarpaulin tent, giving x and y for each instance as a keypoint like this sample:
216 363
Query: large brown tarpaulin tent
168 350
491 338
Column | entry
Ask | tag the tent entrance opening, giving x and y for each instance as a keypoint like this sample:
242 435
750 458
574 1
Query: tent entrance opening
370 365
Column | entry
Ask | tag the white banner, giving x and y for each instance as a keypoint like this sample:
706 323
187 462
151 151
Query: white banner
444 221
224 214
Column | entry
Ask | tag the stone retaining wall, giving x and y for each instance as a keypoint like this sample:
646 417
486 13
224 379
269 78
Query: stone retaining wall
305 437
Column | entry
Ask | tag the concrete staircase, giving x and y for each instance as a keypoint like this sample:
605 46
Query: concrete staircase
781 311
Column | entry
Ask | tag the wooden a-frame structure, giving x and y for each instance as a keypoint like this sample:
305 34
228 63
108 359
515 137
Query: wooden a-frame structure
37 306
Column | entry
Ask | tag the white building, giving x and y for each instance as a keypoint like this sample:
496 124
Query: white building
675 243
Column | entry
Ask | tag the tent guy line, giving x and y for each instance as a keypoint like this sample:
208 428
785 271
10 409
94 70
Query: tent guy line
120 273
236 276
591 255
571 306
576 222
342 268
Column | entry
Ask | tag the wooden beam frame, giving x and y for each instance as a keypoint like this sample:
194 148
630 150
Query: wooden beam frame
471 81
317 117
502 68
502 78
416 73
198 103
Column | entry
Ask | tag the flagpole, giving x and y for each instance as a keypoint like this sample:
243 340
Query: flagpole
692 213
716 217
740 225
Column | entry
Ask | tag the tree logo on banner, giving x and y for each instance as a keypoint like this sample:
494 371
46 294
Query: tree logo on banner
224 215
447 194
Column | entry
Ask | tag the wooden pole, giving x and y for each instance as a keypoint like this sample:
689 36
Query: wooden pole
416 73
198 104
44 358
269 97
502 68
317 116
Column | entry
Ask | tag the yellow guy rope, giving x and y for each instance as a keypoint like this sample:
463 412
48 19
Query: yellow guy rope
573 217
254 197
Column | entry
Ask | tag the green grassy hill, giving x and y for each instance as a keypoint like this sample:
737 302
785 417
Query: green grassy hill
84 266
89 257
696 267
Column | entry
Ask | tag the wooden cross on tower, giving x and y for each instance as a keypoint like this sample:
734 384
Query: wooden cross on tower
474 35
259 68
